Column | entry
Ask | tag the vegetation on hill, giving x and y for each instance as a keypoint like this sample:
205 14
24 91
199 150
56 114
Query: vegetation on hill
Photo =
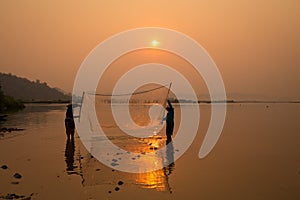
9 104
25 90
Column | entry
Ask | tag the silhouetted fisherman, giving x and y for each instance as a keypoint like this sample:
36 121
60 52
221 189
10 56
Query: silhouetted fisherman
169 121
69 122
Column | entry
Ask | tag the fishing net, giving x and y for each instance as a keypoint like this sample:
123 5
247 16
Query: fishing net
138 114
134 123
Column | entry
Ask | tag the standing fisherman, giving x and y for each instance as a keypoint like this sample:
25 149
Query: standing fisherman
69 122
169 121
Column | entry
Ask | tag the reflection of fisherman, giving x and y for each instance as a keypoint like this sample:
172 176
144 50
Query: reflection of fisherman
169 121
69 155
170 165
170 157
69 122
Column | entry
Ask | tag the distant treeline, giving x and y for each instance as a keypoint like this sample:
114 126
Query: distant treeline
28 91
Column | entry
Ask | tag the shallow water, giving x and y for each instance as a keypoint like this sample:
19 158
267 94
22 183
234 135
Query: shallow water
256 157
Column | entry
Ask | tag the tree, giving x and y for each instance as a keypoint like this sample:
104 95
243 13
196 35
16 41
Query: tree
9 104
1 100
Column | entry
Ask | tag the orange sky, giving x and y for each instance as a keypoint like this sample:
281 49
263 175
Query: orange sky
255 44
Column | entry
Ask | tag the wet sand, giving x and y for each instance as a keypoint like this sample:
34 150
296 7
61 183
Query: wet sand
257 157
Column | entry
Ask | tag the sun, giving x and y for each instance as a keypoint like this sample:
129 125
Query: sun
154 43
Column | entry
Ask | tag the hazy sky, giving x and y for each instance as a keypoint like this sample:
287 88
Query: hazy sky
255 44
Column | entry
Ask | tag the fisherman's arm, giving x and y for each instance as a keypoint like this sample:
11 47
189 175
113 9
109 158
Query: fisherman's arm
169 103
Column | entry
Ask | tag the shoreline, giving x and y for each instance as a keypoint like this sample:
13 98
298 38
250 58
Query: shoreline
47 102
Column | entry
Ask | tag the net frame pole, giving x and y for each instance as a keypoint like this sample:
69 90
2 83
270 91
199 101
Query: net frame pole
164 105
81 103
168 92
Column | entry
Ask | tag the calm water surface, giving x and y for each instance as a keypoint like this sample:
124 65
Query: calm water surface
256 157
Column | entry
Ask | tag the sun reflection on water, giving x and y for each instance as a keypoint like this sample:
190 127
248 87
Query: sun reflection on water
158 179
94 173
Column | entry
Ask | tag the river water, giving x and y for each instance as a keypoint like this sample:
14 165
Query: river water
256 157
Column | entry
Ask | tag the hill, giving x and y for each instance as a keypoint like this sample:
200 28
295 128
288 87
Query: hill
29 91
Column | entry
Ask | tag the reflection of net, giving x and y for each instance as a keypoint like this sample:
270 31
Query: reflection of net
145 105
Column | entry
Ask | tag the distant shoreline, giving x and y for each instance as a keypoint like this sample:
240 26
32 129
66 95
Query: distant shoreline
184 101
47 102
248 101
232 101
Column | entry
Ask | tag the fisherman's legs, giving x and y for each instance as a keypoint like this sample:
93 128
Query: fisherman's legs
70 127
